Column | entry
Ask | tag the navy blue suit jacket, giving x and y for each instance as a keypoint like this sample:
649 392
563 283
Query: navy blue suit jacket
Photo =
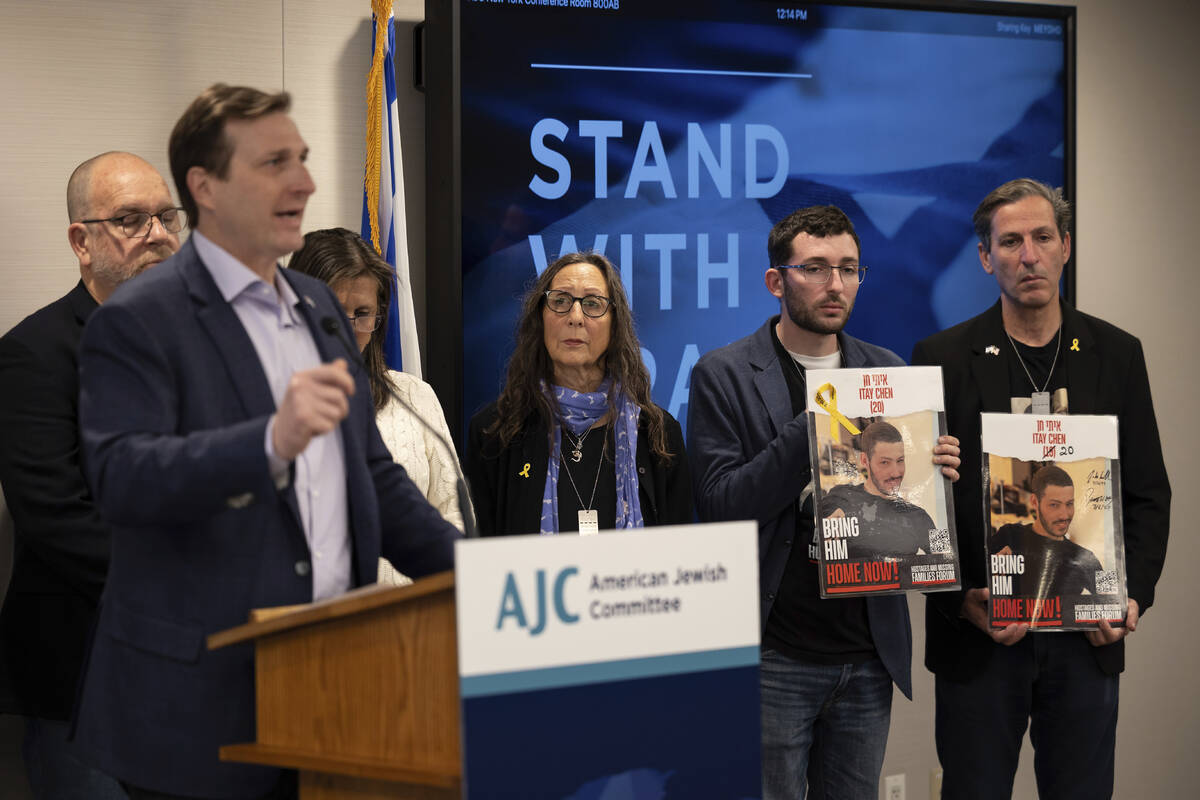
174 407
749 459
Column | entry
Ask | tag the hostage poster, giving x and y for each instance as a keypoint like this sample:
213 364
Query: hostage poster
1055 549
884 511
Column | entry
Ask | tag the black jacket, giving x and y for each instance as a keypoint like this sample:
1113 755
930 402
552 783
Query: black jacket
508 497
60 556
1106 374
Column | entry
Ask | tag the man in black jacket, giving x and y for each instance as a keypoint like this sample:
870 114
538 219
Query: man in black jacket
1032 352
122 220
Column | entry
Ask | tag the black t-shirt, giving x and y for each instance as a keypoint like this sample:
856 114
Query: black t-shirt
888 527
599 442
802 625
1053 567
1038 360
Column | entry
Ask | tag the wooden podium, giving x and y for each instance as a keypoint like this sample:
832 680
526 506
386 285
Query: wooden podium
359 692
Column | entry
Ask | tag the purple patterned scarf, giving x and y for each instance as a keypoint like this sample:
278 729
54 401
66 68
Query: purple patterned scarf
579 411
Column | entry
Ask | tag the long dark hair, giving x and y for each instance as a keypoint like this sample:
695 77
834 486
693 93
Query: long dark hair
335 255
530 363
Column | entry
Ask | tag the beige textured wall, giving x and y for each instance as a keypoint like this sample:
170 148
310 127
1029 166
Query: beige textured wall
1138 116
81 76
84 76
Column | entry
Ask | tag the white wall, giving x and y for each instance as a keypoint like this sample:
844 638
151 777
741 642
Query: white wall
83 76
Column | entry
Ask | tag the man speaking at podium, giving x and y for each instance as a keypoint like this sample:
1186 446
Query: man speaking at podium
234 454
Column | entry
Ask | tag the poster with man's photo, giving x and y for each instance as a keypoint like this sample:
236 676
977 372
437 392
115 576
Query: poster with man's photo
1055 549
884 511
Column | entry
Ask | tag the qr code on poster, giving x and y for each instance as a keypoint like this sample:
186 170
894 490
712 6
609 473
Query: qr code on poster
939 541
1106 581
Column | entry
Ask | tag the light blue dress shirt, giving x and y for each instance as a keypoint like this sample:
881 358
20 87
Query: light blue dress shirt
285 345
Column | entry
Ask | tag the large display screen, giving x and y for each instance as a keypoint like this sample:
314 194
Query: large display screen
672 134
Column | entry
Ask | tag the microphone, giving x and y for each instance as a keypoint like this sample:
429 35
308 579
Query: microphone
334 328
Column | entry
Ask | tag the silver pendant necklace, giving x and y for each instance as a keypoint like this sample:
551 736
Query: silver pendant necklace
1040 398
576 453
588 517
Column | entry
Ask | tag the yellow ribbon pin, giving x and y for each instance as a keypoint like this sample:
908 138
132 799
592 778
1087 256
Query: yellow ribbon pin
525 472
1075 345
835 416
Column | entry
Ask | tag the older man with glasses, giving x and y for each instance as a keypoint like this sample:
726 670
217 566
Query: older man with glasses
122 220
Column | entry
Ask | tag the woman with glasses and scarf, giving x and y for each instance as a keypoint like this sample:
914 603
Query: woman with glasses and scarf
362 282
574 442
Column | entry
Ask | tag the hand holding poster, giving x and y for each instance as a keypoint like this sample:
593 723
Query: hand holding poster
1055 551
884 516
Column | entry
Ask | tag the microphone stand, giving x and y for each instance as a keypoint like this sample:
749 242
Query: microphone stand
470 530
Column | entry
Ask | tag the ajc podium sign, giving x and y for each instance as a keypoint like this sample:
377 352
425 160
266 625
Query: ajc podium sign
623 664
618 665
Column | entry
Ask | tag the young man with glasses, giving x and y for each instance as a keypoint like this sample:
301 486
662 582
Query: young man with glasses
1031 352
122 221
827 665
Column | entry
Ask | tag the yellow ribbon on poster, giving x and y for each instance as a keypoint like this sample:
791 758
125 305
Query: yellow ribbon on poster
835 417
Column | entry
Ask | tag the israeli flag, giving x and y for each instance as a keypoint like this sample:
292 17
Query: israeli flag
383 211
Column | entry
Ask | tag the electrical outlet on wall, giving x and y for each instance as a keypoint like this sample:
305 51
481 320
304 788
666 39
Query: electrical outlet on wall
893 787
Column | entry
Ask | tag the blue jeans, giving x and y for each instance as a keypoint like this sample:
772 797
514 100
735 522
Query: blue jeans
824 727
1050 682
54 769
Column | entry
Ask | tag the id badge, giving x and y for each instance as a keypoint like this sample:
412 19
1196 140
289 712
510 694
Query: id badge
1041 402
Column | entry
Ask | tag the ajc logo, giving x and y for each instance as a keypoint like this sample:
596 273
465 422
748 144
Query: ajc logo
511 605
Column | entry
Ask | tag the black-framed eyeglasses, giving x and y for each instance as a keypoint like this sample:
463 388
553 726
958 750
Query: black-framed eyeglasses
366 323
821 273
137 225
592 305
